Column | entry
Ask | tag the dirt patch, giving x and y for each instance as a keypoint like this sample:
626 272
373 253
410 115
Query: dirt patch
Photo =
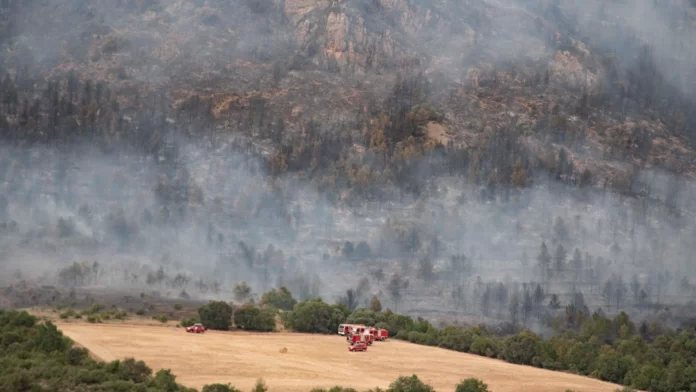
437 132
317 361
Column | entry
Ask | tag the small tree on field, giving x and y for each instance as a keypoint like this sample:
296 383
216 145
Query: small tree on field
216 315
220 388
281 299
251 318
472 385
409 384
260 386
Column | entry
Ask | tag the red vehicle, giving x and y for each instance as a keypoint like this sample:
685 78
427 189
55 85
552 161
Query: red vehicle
356 338
382 335
345 329
196 328
369 338
358 347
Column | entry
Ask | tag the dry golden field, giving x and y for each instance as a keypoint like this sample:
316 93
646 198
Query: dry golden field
310 361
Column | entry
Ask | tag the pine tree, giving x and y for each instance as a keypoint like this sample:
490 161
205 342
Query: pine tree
544 262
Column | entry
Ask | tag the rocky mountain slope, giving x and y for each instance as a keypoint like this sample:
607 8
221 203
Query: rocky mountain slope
584 77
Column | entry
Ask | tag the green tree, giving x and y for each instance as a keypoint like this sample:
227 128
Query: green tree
260 386
242 292
280 299
363 316
472 385
49 339
409 384
219 388
251 318
316 316
544 262
216 315
375 304
521 348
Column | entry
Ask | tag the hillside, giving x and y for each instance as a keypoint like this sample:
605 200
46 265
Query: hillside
561 75
457 159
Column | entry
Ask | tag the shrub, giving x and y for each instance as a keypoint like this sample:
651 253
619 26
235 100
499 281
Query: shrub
483 346
260 386
472 385
316 316
93 319
178 306
375 304
216 315
94 309
281 299
521 348
409 384
426 339
362 316
48 338
39 358
219 388
455 338
67 314
75 356
187 322
161 318
140 312
251 318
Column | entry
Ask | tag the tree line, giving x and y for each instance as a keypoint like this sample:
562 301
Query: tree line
38 357
648 356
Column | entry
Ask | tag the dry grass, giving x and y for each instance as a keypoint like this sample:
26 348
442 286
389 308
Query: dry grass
299 362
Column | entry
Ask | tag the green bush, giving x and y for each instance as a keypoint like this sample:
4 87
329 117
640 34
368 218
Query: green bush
76 356
187 322
67 314
260 386
216 315
409 384
219 388
316 316
280 299
251 318
94 309
364 316
161 318
178 306
472 385
49 339
520 348
455 338
37 357
336 389
140 312
93 319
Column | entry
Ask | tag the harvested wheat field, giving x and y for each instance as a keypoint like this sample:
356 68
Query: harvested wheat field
299 362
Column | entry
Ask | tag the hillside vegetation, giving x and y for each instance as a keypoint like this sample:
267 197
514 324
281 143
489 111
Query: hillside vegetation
502 162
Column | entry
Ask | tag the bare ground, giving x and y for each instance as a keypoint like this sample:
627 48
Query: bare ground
311 360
